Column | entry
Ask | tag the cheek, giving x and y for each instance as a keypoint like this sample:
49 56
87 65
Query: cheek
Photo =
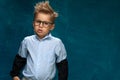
35 28
46 30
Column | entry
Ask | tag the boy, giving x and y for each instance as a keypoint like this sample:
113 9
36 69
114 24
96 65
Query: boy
40 54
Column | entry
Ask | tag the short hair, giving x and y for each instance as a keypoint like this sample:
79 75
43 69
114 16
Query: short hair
45 7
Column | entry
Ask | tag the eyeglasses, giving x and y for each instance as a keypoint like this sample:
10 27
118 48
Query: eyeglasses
44 23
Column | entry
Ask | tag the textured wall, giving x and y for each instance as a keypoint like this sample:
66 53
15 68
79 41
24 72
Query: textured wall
88 28
94 39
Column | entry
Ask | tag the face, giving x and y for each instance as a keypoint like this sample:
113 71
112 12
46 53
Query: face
42 24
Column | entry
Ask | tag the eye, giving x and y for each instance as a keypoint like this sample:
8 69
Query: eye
46 23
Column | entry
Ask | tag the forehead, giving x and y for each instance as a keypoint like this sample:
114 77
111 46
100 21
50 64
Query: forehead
42 16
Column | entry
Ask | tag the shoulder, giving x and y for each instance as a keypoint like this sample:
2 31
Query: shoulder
56 40
29 38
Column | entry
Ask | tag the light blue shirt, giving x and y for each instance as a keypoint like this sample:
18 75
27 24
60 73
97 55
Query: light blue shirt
42 56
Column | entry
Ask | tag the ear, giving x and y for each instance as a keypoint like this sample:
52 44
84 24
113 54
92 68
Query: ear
52 27
33 24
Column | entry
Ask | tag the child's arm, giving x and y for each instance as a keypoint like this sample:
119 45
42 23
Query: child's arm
62 70
18 64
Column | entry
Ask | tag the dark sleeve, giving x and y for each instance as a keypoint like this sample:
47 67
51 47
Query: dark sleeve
62 70
18 64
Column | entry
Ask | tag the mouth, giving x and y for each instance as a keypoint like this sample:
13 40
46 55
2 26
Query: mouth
39 31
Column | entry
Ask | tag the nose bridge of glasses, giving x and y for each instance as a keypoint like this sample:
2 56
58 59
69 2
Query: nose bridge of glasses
41 23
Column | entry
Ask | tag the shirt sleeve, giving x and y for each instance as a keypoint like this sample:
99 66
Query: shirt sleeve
23 49
60 52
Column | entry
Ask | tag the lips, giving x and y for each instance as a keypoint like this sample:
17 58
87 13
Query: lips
39 31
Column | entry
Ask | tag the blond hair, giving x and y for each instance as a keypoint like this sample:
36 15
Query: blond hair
45 7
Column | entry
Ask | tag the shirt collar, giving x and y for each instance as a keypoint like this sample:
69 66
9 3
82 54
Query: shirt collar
48 36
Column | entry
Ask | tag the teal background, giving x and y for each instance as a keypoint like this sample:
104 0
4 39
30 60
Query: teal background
88 28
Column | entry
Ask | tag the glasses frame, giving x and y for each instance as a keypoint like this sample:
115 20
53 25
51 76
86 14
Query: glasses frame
44 23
